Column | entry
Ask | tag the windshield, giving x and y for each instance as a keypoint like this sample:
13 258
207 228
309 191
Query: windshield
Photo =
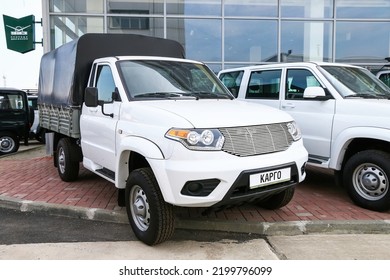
151 79
355 82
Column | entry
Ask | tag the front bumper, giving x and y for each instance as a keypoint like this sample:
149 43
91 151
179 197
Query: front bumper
226 176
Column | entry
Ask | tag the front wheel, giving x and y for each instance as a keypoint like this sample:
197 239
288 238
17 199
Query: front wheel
278 200
67 160
151 218
9 143
366 177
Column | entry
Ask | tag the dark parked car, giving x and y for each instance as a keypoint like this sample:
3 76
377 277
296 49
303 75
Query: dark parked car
15 119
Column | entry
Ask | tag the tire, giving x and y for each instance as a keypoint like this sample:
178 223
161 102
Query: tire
9 143
278 200
67 160
151 218
366 178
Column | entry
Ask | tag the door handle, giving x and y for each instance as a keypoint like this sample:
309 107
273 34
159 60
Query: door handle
92 110
288 106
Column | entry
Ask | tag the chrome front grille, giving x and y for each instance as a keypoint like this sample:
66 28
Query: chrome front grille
256 140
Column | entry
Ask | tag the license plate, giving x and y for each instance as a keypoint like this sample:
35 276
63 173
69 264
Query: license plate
269 178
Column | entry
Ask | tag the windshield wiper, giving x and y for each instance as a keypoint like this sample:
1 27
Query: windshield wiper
367 95
212 95
163 95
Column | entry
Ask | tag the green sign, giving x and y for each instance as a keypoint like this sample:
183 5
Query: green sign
20 33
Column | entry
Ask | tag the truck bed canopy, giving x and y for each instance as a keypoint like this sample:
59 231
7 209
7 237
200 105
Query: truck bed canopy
64 72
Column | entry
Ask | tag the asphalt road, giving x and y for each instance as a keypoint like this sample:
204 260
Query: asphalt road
33 236
27 227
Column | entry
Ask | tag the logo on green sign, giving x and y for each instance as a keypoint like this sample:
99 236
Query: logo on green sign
20 33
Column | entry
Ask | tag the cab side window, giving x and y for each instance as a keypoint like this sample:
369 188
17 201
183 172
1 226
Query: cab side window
105 83
297 81
232 80
385 77
264 85
11 101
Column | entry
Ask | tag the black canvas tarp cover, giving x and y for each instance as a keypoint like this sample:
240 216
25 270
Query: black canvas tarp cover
64 72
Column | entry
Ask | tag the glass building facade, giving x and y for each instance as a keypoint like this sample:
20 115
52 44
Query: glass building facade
232 33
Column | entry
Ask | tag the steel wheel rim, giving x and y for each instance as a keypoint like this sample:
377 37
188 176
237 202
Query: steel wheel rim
139 206
370 181
7 144
61 160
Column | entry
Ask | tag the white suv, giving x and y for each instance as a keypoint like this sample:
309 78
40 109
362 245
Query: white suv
343 112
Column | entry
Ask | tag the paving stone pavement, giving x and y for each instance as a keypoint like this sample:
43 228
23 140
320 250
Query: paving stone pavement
31 183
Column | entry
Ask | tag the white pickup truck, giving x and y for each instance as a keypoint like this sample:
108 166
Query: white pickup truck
164 130
343 112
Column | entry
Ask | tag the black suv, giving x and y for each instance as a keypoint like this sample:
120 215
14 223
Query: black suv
15 119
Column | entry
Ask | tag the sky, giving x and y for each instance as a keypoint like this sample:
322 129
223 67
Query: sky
16 69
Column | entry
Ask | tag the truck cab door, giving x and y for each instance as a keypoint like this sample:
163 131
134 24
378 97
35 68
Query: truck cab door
98 123
314 116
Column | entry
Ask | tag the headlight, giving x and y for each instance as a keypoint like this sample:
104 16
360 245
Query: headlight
197 139
294 131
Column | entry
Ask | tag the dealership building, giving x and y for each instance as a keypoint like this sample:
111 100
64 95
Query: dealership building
232 33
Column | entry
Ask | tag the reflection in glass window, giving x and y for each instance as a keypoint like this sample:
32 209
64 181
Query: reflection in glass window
354 41
169 79
251 8
307 9
135 6
353 81
250 40
297 81
363 9
11 101
105 83
264 84
194 7
136 25
201 38
76 6
232 80
306 41
67 28
385 77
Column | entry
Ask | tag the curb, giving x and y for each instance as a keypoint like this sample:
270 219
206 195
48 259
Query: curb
265 228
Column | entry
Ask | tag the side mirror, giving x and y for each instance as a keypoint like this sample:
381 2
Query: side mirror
315 93
91 97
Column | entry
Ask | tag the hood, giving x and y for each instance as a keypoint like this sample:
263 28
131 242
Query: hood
364 112
206 113
367 107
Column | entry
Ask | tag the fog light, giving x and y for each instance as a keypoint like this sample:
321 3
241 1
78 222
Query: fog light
194 188
200 187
